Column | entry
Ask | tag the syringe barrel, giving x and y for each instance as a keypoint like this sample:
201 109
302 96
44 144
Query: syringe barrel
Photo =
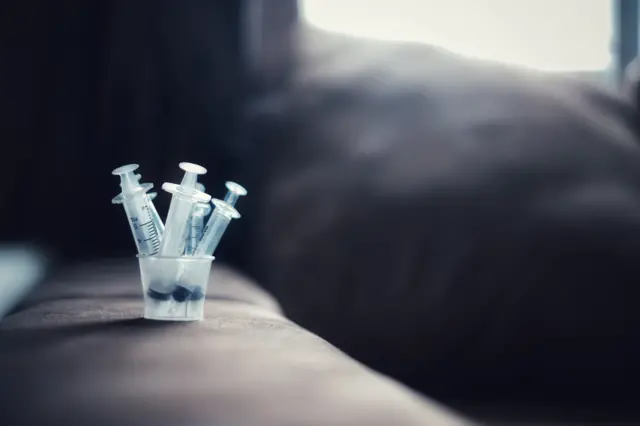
176 227
196 225
157 221
138 209
213 232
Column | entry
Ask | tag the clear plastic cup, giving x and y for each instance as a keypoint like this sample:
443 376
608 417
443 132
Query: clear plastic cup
174 288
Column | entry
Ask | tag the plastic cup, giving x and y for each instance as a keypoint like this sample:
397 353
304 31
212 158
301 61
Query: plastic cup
174 288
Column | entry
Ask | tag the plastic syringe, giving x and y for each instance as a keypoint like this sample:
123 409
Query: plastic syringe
182 200
139 209
157 221
191 172
215 228
190 180
196 223
234 191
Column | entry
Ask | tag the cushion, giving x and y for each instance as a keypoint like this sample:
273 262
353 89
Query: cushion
464 226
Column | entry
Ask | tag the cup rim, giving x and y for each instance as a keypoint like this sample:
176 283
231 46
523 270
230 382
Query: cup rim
181 258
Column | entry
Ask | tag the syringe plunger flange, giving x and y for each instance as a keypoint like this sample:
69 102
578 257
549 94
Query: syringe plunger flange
146 188
127 168
129 181
191 172
235 191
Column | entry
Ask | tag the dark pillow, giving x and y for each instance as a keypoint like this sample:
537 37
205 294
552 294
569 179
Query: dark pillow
467 227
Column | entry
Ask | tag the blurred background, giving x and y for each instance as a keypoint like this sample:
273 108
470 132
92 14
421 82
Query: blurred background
88 87
91 85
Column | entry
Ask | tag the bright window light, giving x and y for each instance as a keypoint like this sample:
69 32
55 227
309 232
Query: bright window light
551 35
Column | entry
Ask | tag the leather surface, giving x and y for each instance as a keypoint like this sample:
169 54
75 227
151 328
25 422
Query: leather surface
78 353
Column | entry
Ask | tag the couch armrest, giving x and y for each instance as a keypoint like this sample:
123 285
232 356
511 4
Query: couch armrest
79 353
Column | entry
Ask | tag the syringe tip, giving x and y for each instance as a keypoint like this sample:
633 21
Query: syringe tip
192 168
124 169
236 188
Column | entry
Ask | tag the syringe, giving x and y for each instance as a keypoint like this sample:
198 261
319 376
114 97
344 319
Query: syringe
191 172
139 209
177 224
215 228
219 224
157 221
196 223
235 191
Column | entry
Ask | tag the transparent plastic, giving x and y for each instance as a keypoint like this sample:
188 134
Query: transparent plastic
215 228
174 288
196 226
143 218
234 191
191 172
176 230
157 221
183 196
199 212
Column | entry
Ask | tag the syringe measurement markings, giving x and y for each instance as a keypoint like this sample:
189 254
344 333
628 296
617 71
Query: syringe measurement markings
148 229
153 235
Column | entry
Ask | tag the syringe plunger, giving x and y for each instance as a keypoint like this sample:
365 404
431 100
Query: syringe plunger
234 191
215 228
191 172
177 223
